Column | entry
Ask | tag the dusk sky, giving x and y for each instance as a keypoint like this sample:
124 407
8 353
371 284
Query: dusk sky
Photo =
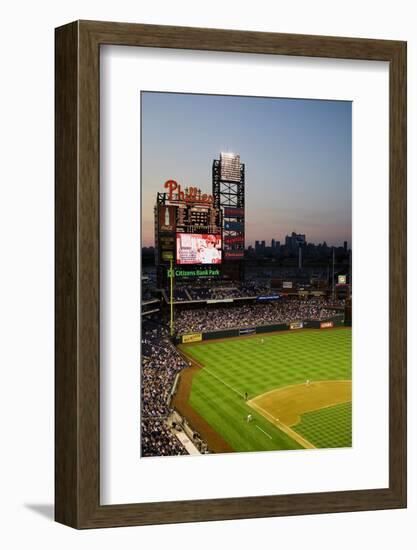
297 156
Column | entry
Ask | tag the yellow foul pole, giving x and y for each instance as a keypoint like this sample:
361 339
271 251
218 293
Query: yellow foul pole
171 301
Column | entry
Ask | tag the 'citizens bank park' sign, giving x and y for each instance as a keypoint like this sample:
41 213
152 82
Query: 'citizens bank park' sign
189 194
197 272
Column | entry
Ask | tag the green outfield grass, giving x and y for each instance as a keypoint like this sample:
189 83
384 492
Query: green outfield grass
233 367
329 427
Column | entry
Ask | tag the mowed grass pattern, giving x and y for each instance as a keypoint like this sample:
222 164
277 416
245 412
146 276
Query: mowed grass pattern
233 367
329 427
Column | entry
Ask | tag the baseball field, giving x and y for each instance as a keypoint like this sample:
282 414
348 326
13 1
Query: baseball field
277 391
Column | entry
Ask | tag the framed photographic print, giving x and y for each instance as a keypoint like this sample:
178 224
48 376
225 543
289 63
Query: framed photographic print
230 274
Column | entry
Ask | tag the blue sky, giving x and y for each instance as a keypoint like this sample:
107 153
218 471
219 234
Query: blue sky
297 156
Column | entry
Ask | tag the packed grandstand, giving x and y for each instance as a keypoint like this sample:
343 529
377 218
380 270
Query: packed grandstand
257 314
200 291
160 365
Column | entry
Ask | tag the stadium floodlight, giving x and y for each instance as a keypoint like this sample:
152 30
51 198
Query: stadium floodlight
230 167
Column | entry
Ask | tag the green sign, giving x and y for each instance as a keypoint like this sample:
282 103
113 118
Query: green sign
197 272
167 255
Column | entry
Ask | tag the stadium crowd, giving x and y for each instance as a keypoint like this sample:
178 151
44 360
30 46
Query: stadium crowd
203 319
157 439
160 364
219 291
147 294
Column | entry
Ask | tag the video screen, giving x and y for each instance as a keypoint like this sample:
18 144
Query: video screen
198 249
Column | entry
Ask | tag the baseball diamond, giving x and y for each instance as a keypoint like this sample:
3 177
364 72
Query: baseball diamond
295 385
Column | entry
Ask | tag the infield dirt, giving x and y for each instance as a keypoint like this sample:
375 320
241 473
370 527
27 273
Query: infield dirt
289 403
284 406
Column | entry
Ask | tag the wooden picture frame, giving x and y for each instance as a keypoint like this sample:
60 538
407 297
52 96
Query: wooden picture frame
77 373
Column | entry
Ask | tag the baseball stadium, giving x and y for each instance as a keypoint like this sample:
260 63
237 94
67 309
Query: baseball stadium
242 349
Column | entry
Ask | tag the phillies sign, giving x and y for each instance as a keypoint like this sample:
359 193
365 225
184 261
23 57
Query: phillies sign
190 194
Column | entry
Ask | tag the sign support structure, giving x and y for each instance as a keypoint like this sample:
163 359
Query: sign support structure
171 300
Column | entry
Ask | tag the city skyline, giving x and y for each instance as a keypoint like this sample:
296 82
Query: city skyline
281 242
297 156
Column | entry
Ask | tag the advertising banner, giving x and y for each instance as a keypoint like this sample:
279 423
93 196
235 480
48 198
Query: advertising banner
287 284
167 255
268 298
166 218
233 226
246 331
166 246
234 254
296 325
188 338
326 324
234 240
230 212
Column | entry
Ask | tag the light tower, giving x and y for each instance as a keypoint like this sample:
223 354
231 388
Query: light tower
229 195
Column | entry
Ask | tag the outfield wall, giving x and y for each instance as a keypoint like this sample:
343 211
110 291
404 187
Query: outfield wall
331 322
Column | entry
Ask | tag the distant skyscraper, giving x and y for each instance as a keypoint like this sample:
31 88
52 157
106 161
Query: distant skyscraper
345 245
295 240
272 243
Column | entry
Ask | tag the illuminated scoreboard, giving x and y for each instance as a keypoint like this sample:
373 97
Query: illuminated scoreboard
198 219
188 228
